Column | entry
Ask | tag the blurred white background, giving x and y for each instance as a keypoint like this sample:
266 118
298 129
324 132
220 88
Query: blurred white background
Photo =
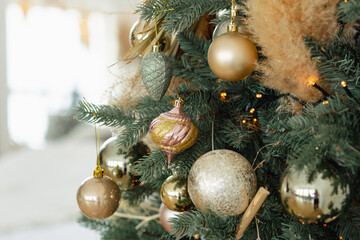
52 52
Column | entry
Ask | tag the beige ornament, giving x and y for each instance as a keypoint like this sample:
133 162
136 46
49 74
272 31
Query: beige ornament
98 197
165 215
221 183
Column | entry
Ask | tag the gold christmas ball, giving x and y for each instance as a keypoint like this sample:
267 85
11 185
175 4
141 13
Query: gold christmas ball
140 31
221 183
221 27
173 131
114 164
232 57
174 194
165 215
117 165
98 197
314 201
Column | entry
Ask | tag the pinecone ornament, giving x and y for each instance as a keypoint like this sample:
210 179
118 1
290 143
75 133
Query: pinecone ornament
156 72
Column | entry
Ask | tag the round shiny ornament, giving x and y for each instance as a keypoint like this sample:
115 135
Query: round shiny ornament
98 197
156 73
314 201
140 31
221 28
173 131
221 183
115 165
174 194
232 56
165 215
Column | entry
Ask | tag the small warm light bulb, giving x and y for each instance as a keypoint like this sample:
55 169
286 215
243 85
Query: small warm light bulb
255 120
196 236
259 95
343 84
324 225
340 237
312 81
326 102
223 95
244 121
252 110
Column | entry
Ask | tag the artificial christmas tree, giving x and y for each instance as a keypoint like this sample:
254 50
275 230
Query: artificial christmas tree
300 107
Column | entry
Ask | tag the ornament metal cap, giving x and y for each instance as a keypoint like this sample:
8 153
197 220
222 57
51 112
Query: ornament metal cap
233 27
156 48
98 172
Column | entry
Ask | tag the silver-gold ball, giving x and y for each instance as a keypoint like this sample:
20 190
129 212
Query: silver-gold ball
156 73
221 27
221 183
98 197
315 201
115 164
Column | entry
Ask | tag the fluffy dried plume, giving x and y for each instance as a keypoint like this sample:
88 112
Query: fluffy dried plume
279 27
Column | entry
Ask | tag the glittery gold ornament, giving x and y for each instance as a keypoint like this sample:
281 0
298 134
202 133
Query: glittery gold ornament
165 215
173 131
232 56
174 194
98 197
313 201
156 72
221 183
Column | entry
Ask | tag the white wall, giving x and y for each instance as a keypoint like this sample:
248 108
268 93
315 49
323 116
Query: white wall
4 136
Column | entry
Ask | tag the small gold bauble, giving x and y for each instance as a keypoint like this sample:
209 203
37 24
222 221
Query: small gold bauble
221 183
165 215
98 197
232 57
314 201
114 164
140 31
174 194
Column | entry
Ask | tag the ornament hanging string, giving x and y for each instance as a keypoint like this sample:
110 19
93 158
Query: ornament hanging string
257 154
98 172
212 136
156 19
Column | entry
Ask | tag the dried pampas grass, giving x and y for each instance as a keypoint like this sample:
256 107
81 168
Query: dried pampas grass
279 27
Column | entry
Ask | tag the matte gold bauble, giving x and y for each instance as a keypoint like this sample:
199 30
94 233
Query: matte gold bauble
115 165
314 201
232 57
221 183
174 194
165 215
98 197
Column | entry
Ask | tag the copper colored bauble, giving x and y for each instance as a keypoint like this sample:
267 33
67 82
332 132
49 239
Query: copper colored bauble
115 165
98 197
222 26
314 201
174 194
165 215
173 131
232 57
221 183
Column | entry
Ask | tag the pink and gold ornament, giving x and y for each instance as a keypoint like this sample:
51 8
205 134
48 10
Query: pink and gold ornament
173 131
